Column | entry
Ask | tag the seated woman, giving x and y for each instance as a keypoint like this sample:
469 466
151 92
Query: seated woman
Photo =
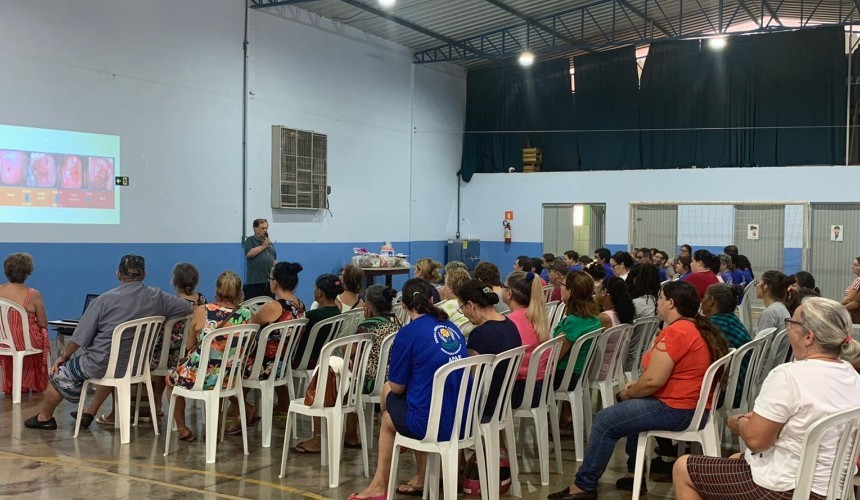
18 267
226 311
524 296
771 288
617 308
583 316
381 322
492 333
621 262
663 398
428 270
792 398
415 357
702 276
454 279
682 267
558 270
488 274
644 285
352 278
283 281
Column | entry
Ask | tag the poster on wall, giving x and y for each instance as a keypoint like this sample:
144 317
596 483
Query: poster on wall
752 231
836 233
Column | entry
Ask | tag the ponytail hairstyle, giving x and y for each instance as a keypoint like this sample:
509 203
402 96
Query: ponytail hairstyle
776 284
644 280
708 260
380 298
527 291
477 293
286 274
418 296
744 264
329 285
830 324
686 301
617 290
185 277
796 297
805 280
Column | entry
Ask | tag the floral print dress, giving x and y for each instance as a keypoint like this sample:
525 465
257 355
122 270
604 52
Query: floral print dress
186 373
290 311
176 339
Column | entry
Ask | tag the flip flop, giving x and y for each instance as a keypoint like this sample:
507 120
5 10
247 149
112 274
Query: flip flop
103 420
410 490
356 446
188 438
355 496
304 451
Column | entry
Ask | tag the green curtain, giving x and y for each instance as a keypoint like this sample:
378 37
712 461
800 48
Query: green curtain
607 102
511 108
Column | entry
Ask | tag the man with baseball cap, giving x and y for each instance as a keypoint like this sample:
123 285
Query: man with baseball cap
130 300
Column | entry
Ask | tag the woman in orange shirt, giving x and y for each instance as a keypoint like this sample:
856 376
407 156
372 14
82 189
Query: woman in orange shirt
664 397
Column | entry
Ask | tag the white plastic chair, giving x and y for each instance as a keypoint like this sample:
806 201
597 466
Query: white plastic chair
354 317
7 345
444 454
847 424
375 396
611 359
745 307
306 365
400 313
644 331
256 303
347 401
289 331
750 354
549 351
762 365
227 384
550 310
136 338
161 369
702 427
560 312
547 292
577 398
508 364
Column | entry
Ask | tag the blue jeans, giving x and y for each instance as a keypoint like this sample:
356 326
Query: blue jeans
625 419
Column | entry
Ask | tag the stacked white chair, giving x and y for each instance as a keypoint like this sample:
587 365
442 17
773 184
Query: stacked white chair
645 330
560 313
547 292
702 427
748 354
578 397
549 352
354 317
847 424
551 307
375 396
138 337
507 364
611 360
762 366
256 303
281 370
7 346
227 384
444 454
745 307
357 349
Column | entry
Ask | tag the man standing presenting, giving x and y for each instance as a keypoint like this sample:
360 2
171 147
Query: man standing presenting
260 257
131 300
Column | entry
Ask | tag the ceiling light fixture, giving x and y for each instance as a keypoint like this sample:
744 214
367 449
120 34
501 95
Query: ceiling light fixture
717 43
387 3
527 58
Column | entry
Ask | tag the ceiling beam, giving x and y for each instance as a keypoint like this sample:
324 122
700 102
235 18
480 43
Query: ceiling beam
260 4
757 21
537 24
647 19
415 27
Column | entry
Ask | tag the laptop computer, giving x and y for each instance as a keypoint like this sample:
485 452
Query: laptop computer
90 297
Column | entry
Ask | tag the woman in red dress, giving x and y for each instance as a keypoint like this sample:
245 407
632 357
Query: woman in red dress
18 267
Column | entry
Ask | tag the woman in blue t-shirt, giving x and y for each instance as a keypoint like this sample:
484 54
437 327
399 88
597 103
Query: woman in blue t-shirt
428 342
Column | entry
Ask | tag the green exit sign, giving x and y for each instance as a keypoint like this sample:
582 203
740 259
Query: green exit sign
121 181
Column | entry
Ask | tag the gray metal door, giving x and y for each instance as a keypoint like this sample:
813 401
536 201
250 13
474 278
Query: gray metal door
557 228
830 261
654 226
597 229
764 247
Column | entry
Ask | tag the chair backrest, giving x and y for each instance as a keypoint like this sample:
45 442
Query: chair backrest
573 354
550 310
746 354
504 368
761 367
357 349
473 372
166 332
549 351
560 312
256 303
7 343
287 333
644 331
353 320
547 292
331 328
131 347
382 365
235 340
779 349
745 307
846 424
710 391
400 313
612 346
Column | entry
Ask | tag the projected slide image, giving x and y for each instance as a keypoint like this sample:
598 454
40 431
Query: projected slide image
57 176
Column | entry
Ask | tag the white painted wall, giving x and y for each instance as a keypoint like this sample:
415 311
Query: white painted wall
487 196
166 77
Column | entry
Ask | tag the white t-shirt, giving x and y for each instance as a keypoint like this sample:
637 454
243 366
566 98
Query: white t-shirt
797 394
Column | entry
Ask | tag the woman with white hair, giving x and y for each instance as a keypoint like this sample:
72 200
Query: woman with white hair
794 395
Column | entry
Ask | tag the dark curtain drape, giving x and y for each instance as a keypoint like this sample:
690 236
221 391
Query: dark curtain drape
512 108
607 102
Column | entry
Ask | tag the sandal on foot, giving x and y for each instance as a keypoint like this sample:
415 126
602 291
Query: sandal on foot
103 420
355 496
300 448
410 490
188 438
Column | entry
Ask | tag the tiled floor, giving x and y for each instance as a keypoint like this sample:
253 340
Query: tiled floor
51 464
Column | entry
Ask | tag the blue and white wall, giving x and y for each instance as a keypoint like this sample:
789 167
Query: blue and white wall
166 77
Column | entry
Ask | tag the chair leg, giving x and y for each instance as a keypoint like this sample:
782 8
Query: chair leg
710 444
266 407
210 408
123 411
578 426
151 395
81 407
482 449
171 407
137 405
639 473
540 418
334 429
244 419
556 435
285 452
431 477
17 377
392 473
363 435
511 441
449 474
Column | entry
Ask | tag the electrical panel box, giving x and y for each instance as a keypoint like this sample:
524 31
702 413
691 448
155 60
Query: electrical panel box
466 251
